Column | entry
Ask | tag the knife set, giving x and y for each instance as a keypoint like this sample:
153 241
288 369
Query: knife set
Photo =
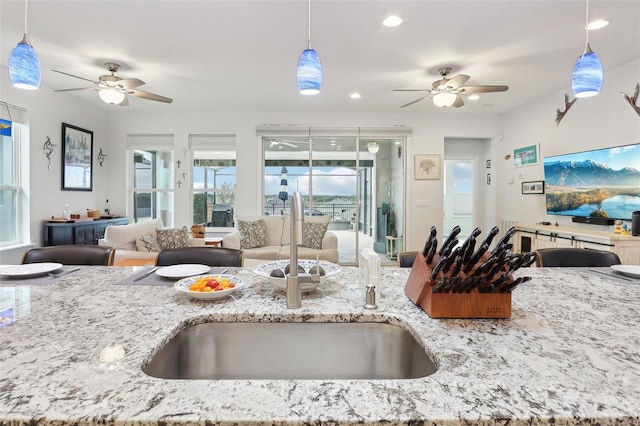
462 281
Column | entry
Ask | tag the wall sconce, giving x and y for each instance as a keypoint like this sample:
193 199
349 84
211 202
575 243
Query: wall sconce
101 157
48 150
373 147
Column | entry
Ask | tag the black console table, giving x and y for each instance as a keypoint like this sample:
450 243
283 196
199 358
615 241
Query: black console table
86 232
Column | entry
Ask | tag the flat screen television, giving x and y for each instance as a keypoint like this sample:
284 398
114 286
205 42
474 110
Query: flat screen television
602 183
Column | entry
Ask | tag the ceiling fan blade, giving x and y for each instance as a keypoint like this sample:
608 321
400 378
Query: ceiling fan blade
75 76
457 81
482 89
411 90
459 102
149 96
125 102
417 100
129 83
71 90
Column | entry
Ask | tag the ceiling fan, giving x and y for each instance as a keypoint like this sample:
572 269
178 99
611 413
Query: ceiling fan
286 142
114 90
446 91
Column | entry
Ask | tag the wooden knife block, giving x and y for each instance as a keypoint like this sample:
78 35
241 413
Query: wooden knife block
453 305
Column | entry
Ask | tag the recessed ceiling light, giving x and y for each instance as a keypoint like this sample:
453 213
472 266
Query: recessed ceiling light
392 21
473 97
597 24
355 95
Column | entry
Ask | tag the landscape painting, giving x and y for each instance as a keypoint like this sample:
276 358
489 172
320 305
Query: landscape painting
600 183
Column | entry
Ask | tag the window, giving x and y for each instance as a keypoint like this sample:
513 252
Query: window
14 211
152 177
214 180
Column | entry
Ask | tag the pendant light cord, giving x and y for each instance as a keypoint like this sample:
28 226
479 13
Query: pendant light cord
309 40
586 27
25 16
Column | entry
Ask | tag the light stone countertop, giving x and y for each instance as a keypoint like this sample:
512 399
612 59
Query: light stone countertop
569 355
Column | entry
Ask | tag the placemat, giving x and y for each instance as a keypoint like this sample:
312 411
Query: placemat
616 276
67 271
155 279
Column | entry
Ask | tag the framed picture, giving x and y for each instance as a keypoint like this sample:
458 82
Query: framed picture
488 164
488 178
77 158
526 156
427 166
534 187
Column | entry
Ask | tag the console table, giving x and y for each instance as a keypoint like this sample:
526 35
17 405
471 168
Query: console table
532 237
81 232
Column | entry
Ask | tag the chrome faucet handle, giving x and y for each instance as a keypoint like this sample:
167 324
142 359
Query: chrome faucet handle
370 298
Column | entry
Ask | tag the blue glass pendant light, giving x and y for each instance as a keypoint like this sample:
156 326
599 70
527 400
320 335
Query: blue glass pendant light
309 73
24 65
586 79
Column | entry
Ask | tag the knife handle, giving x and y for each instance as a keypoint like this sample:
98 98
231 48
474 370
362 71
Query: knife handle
476 257
507 236
494 231
437 268
450 260
432 251
454 233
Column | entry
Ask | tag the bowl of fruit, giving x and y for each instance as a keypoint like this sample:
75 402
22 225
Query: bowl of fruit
209 287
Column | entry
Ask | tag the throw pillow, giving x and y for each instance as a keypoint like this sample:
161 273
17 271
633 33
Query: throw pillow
313 234
173 238
252 234
147 243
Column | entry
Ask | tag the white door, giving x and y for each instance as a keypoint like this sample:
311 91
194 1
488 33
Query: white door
459 195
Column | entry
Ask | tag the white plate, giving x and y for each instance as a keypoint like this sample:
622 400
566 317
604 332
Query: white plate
29 270
629 270
183 286
264 270
182 270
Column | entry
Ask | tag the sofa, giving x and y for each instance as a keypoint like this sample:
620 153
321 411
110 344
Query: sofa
144 240
268 238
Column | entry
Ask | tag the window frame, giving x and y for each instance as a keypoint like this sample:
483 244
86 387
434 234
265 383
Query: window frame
19 163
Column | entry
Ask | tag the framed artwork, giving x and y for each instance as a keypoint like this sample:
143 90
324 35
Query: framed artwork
526 156
488 164
488 178
77 158
534 187
427 166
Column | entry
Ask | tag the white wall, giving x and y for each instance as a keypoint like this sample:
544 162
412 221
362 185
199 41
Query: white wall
605 120
429 132
47 111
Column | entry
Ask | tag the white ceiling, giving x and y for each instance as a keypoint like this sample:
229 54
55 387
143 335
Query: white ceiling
241 55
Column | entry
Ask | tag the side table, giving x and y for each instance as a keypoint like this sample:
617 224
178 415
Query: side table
213 241
392 247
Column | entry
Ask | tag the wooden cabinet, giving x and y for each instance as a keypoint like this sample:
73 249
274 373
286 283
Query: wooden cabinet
534 237
79 233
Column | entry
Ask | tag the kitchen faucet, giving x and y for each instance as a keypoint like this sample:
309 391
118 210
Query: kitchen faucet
294 279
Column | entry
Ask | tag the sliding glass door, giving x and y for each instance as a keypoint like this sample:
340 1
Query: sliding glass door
339 177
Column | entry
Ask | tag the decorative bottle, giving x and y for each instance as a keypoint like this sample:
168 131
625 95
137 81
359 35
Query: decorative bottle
107 210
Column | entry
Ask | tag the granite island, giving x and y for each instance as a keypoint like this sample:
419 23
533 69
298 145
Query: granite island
569 355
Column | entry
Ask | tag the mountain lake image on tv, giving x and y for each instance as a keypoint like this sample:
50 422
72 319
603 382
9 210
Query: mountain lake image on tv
603 183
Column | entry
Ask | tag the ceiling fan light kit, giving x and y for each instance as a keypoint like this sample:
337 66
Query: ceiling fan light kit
111 96
373 147
587 75
309 71
444 99
24 64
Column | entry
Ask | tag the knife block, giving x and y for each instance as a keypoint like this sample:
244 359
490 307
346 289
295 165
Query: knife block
453 305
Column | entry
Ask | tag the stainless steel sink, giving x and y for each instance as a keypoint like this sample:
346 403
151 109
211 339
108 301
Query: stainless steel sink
242 351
